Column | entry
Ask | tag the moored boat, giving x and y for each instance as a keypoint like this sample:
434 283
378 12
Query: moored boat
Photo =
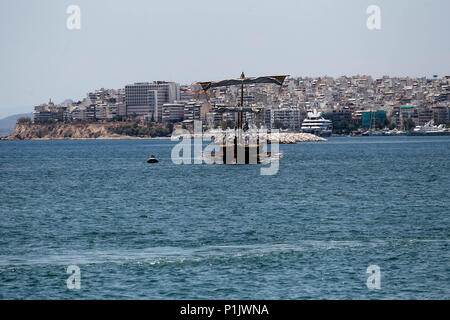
430 128
317 125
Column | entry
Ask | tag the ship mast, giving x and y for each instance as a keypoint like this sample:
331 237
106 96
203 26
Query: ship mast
278 80
240 124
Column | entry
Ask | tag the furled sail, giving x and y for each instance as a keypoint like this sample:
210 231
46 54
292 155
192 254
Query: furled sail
231 82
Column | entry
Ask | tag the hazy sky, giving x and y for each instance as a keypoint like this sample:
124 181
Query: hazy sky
125 41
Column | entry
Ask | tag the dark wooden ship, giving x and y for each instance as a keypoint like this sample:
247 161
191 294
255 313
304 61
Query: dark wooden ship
240 151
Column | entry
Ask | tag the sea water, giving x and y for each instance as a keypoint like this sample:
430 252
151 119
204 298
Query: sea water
166 231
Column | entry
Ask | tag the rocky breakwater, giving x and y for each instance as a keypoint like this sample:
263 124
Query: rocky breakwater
281 137
294 137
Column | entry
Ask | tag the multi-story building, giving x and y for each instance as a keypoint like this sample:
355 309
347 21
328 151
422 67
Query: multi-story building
144 98
441 114
369 118
344 114
357 117
192 111
100 112
115 110
291 118
172 112
78 113
160 93
90 113
137 98
400 114
425 115
42 116
186 94
50 112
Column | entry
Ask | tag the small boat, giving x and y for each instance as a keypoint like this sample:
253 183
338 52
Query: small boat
152 159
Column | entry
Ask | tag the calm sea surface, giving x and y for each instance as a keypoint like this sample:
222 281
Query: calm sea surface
165 231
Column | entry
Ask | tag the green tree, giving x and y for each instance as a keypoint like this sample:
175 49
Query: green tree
345 127
380 124
24 120
408 124
170 127
391 126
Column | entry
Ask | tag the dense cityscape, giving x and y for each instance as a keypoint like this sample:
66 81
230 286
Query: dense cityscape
352 104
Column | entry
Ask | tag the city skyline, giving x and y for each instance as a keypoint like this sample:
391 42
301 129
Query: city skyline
29 109
420 99
121 43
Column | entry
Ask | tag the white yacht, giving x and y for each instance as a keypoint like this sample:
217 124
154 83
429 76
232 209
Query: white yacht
430 128
317 125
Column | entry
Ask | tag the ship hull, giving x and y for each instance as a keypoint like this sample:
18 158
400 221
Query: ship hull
319 133
248 154
416 133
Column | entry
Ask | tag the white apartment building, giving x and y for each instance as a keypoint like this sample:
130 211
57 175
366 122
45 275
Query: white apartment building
291 118
146 98
172 112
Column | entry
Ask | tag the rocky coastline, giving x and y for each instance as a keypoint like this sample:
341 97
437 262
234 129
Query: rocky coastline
104 131
71 131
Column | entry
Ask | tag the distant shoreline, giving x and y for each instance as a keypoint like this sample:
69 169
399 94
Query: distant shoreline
85 131
10 138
